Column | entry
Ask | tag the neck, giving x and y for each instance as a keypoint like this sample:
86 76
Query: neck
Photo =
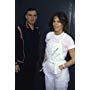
58 32
30 25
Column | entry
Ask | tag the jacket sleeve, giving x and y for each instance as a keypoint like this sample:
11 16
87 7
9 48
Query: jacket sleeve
18 47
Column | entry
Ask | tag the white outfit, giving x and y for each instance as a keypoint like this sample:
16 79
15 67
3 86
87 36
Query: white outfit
57 47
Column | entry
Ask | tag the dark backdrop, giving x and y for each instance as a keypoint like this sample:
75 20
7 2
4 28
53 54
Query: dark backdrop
46 9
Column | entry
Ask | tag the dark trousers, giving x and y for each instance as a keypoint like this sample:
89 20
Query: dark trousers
19 79
29 78
39 80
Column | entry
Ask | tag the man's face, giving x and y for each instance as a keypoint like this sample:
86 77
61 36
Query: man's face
31 17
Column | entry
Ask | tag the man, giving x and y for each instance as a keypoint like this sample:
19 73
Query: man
29 34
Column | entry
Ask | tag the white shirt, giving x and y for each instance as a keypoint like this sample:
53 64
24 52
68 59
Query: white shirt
57 47
62 42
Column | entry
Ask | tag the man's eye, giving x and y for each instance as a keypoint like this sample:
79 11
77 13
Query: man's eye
35 15
30 15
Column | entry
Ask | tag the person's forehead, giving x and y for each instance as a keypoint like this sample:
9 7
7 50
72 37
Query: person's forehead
56 17
32 12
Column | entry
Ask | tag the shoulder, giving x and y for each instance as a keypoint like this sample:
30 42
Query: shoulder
37 29
67 36
19 27
49 34
20 30
69 42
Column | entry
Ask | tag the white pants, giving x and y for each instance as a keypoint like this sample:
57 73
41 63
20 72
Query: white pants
55 83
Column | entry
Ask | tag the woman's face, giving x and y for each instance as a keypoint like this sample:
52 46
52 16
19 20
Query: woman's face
57 25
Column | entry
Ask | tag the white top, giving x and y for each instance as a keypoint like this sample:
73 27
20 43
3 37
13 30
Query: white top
58 45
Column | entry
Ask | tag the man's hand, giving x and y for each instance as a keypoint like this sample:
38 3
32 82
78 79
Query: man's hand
17 68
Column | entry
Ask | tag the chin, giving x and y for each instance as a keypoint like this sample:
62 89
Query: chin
56 30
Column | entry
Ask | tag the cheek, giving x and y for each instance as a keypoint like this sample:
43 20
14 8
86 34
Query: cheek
60 26
28 18
35 18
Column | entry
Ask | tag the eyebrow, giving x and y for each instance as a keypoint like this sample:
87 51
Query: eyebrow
32 14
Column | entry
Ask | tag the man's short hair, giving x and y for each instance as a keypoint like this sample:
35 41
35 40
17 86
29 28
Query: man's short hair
31 9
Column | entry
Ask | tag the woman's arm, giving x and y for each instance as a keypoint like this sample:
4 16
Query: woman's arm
71 61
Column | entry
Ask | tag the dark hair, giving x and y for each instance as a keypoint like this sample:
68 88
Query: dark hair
31 9
63 19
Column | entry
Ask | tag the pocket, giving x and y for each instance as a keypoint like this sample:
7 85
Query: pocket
48 67
58 70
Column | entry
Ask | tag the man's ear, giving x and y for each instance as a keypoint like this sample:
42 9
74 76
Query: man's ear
36 17
25 16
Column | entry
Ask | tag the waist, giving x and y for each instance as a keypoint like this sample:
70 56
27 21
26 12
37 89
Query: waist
60 61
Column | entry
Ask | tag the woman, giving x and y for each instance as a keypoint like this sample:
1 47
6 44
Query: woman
58 43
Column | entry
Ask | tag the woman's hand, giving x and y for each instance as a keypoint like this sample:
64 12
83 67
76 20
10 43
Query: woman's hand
62 67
